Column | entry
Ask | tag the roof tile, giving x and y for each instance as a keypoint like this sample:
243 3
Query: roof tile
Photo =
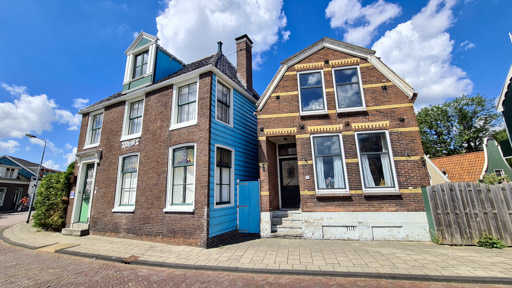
465 167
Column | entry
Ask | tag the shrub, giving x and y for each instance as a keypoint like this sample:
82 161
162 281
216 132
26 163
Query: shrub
493 179
52 201
489 241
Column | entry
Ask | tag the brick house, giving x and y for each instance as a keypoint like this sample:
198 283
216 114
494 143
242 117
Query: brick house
339 149
160 159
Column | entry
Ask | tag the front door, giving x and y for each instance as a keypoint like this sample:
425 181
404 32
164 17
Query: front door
86 193
289 176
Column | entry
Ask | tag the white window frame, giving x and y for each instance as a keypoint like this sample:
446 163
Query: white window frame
323 91
130 61
502 172
3 195
174 109
232 179
117 199
179 208
14 174
126 125
378 190
89 129
338 109
230 99
330 191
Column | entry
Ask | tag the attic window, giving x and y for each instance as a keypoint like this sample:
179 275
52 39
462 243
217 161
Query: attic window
311 92
141 64
348 89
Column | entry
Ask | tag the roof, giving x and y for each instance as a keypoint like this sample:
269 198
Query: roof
465 167
505 90
30 166
343 47
217 60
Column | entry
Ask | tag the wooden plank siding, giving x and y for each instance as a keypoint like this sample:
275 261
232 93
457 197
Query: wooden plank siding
242 138
463 211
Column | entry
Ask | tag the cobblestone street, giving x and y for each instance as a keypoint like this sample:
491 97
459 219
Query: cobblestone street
28 268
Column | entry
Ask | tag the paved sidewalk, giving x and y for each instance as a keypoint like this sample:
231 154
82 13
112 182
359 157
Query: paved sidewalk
391 260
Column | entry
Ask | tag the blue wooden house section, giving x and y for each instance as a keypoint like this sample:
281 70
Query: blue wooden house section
165 65
22 171
243 139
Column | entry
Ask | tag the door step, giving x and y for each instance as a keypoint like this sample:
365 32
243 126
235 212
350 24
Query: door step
76 229
286 224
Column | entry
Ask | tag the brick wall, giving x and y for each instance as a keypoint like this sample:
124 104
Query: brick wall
404 138
148 221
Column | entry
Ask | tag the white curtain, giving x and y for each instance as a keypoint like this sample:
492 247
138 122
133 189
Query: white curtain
339 181
386 164
367 173
320 172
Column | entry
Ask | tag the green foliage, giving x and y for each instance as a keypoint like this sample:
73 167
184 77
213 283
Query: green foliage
457 126
489 241
500 135
493 179
52 200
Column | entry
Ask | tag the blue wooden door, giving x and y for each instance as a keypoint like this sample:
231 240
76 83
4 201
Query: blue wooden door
249 207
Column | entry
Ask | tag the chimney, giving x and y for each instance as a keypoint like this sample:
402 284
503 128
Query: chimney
244 59
219 47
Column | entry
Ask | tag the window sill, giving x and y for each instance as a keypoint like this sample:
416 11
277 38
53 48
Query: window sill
351 110
124 209
183 208
380 192
222 122
333 195
316 113
183 125
91 145
130 137
222 205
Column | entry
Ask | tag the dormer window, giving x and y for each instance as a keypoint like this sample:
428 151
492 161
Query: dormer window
141 64
9 172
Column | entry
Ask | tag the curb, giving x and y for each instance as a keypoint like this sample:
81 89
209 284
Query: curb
381 276
9 241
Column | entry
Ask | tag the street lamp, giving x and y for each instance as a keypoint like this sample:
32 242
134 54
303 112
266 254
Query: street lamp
37 177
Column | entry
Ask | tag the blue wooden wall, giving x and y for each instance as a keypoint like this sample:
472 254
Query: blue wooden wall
22 171
243 139
165 65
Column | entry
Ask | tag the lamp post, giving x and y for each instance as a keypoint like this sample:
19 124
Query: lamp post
37 177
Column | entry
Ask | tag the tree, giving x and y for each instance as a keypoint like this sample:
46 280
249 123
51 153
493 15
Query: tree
457 126
52 200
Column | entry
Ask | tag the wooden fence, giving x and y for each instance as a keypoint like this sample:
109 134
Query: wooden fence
462 211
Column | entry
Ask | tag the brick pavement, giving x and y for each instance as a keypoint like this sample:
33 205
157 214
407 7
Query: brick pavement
345 258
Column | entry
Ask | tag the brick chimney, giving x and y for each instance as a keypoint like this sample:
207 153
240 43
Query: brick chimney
244 59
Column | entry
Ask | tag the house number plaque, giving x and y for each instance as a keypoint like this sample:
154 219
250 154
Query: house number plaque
130 143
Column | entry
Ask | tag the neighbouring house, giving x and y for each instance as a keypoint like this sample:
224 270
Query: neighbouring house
339 149
469 167
160 159
504 106
17 180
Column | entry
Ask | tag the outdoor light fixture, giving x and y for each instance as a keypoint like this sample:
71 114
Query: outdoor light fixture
37 176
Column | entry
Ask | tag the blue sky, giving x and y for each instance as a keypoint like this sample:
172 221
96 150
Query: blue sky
61 55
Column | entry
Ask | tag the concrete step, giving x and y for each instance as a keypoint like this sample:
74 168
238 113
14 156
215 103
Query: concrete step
286 213
288 228
287 235
74 232
83 226
286 221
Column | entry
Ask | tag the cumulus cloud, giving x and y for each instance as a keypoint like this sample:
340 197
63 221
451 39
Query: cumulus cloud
191 28
68 146
71 156
420 50
31 114
80 103
50 164
360 23
9 146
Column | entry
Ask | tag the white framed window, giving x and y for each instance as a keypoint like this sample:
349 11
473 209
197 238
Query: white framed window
376 163
3 190
94 128
181 180
348 89
224 104
499 172
329 163
312 98
133 116
140 65
126 183
184 109
10 172
224 176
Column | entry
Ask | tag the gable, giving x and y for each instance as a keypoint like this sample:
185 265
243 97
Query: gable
142 43
22 171
142 40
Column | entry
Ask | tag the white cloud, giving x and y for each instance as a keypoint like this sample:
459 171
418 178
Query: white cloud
50 164
80 103
466 45
68 146
285 35
191 28
31 114
360 23
49 145
70 157
420 50
9 146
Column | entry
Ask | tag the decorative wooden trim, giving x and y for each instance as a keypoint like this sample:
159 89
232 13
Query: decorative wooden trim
378 85
390 106
309 65
306 192
262 138
356 191
371 125
406 129
325 128
285 93
280 131
302 136
407 158
352 160
341 62
264 193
